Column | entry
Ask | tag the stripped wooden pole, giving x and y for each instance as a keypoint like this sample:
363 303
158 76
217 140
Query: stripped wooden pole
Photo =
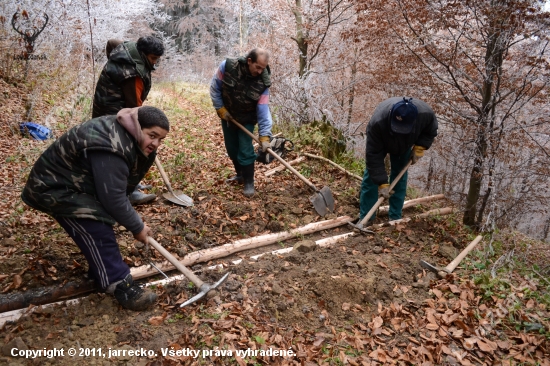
279 168
334 164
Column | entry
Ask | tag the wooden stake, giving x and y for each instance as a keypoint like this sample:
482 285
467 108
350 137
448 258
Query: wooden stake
416 201
334 164
270 172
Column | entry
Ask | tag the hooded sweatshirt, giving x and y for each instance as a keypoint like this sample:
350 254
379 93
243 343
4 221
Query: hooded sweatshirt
88 172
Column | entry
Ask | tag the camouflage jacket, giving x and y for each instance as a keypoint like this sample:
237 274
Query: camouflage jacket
241 91
124 62
61 183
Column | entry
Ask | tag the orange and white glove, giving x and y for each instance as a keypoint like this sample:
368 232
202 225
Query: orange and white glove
223 113
384 191
265 141
417 153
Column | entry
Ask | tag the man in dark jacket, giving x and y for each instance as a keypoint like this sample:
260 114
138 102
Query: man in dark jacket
240 91
403 128
82 180
125 82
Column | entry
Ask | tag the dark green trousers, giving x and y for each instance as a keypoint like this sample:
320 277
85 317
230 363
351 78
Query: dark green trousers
238 144
369 190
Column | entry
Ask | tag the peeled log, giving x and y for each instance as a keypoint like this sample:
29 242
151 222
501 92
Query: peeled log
411 203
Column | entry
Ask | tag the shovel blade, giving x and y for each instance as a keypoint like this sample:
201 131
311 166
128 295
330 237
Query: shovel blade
179 198
322 201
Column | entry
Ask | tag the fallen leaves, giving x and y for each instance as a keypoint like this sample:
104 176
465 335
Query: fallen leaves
158 320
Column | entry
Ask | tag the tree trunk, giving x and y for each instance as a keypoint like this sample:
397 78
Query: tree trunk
301 38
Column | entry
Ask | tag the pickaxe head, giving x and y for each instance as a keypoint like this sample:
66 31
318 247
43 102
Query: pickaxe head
429 267
204 289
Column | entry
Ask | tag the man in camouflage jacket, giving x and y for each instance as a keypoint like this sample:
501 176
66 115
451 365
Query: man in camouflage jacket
82 180
125 82
240 91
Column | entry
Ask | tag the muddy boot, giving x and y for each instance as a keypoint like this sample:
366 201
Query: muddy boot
138 198
133 297
238 178
248 177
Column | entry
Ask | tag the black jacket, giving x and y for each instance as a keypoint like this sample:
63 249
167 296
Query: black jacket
381 140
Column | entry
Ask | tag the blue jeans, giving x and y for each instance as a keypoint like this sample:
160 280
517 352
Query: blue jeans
369 190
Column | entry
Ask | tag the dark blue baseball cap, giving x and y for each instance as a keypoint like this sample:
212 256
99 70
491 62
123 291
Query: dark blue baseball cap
403 116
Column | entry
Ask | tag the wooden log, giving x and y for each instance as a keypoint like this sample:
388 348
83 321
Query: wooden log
279 168
50 294
206 255
44 295
411 203
334 164
437 211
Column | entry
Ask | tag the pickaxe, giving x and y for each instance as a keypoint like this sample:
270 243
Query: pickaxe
369 214
442 272
203 287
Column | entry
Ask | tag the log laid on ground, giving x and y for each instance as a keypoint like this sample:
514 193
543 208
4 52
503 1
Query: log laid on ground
50 294
334 164
44 295
411 203
437 211
270 172
225 250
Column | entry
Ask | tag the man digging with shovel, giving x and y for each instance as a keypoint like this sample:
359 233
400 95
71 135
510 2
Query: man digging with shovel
399 127
82 180
240 91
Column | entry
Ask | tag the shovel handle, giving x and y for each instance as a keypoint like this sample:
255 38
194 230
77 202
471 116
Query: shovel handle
455 262
381 199
164 176
179 266
281 160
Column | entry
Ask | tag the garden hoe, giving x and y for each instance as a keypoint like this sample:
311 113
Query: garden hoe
178 197
322 200
442 272
203 287
360 225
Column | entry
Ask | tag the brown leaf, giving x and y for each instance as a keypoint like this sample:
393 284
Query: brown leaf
346 306
432 326
487 345
17 281
377 322
158 320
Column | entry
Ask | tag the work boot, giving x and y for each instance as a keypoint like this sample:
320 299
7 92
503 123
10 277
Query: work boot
133 297
238 178
138 198
248 177
143 186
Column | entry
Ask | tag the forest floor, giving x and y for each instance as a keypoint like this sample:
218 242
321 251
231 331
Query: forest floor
362 301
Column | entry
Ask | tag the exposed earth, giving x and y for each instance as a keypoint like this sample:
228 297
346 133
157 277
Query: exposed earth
361 301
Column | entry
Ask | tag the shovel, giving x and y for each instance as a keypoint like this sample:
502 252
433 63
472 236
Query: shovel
178 197
203 287
322 200
379 202
441 272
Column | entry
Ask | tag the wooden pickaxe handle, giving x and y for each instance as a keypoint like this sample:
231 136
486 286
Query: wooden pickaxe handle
455 262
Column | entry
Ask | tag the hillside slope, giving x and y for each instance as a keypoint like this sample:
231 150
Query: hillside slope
361 301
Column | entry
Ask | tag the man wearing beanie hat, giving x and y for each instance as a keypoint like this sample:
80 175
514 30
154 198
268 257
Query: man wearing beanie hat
404 128
125 82
82 180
